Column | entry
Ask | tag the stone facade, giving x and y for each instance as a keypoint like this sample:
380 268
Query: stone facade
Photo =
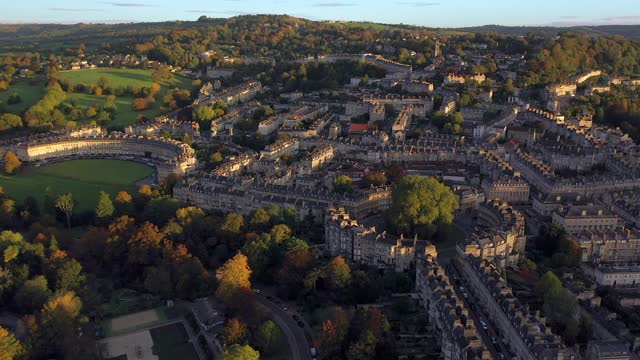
525 332
504 243
347 238
456 331
169 156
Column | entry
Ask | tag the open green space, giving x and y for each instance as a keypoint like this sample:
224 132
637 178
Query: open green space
117 77
83 178
124 115
171 342
29 91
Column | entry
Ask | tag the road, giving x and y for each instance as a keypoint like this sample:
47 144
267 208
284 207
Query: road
477 314
296 336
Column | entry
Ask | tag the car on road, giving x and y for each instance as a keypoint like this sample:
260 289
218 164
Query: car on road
483 324
313 352
296 317
300 323
494 340
285 308
257 291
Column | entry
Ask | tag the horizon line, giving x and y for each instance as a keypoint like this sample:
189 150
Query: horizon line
122 21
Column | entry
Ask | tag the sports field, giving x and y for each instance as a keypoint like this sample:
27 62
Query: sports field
28 92
83 178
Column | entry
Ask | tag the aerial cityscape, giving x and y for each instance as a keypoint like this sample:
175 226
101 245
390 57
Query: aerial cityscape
351 181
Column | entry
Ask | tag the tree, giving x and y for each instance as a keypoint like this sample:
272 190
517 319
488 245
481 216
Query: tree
419 202
65 204
269 337
338 273
233 277
215 158
280 233
139 104
9 121
155 88
105 208
238 352
60 320
33 294
329 340
342 184
145 245
11 162
10 347
259 218
394 173
233 224
364 348
103 82
123 203
374 178
235 332
167 184
67 274
204 113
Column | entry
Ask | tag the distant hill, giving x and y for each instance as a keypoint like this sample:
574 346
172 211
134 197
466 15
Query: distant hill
628 31
57 37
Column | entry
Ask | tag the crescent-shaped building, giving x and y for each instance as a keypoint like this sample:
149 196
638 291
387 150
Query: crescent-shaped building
168 156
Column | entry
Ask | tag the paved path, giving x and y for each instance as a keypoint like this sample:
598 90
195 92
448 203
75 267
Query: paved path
295 335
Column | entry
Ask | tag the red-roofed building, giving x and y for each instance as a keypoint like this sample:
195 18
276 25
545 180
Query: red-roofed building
358 128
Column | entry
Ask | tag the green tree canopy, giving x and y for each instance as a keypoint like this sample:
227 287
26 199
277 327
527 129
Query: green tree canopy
10 347
419 202
342 184
11 162
239 352
269 337
105 208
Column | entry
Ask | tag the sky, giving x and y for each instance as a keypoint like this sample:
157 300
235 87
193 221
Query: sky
433 13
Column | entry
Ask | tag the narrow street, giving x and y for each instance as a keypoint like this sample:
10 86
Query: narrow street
498 348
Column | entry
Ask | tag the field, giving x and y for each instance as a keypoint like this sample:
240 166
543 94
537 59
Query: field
119 77
83 178
29 93
171 342
124 115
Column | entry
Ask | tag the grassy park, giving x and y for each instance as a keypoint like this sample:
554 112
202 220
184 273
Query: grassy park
118 77
29 91
83 178
124 114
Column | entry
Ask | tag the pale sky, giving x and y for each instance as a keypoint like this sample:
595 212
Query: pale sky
434 13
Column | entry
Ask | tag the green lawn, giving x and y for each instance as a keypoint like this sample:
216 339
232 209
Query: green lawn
29 93
117 77
83 178
171 342
124 116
